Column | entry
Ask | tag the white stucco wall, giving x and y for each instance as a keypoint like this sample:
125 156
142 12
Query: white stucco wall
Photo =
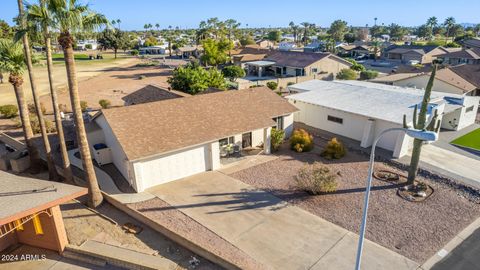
353 125
460 118
161 169
118 155
288 125
257 137
94 137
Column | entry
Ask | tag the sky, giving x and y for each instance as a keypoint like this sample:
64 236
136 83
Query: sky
273 13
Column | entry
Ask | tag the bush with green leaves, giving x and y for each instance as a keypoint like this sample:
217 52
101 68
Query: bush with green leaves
134 52
316 179
277 136
368 74
83 105
104 103
233 72
49 126
194 79
272 85
347 74
9 111
301 141
88 46
334 149
355 65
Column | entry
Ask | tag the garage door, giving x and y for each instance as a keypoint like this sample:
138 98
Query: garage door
173 166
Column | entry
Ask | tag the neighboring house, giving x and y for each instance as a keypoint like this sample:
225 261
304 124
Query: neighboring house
315 46
288 64
158 142
354 51
286 46
151 93
30 212
471 43
460 80
265 44
158 49
362 110
249 53
90 44
464 56
413 53
189 51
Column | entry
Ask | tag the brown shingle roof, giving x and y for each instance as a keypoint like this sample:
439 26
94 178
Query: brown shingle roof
153 128
151 93
471 73
300 59
467 54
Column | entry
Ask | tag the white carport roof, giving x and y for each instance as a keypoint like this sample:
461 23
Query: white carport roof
372 100
260 63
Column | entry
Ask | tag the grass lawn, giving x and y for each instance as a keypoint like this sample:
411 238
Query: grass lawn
78 56
470 140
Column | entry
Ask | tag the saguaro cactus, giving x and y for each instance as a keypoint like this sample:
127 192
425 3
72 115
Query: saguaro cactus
420 123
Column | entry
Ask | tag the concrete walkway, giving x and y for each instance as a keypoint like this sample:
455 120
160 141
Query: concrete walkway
107 184
452 164
270 230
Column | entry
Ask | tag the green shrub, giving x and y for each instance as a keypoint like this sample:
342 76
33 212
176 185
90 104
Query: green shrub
272 85
31 108
334 149
368 74
83 105
233 72
88 46
316 179
134 52
104 103
277 137
9 111
50 127
290 83
301 141
347 74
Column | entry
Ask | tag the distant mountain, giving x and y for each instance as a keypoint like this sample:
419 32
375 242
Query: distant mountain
465 25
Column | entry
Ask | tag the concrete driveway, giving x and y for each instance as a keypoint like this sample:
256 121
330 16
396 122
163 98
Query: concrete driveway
270 230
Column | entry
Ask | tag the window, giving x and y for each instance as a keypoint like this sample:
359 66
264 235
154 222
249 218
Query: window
279 122
469 109
335 119
226 141
314 70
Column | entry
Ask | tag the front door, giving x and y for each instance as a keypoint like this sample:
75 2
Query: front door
246 140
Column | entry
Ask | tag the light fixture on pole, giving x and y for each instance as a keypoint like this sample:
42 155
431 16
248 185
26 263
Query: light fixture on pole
414 133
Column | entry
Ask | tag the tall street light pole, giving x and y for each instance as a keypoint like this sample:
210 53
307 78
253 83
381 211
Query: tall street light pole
417 134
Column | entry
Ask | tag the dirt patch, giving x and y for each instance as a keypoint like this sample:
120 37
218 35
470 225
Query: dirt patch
173 219
415 230
82 224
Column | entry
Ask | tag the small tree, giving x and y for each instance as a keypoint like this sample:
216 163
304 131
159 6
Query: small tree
104 103
277 137
274 36
194 79
334 149
272 85
301 141
368 74
233 72
347 74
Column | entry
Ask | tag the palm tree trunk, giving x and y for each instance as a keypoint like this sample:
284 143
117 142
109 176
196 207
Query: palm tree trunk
52 170
95 196
67 170
17 83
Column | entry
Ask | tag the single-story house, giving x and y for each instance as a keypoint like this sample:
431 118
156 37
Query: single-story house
158 49
460 80
286 46
289 64
471 43
266 44
151 93
189 51
353 50
30 212
88 44
361 110
465 56
162 141
314 46
413 53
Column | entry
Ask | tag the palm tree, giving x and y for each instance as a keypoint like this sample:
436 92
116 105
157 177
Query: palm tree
71 17
12 61
432 22
52 169
157 25
118 23
41 17
295 31
306 27
449 23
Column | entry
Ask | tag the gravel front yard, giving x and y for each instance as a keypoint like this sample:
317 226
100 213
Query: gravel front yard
415 230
